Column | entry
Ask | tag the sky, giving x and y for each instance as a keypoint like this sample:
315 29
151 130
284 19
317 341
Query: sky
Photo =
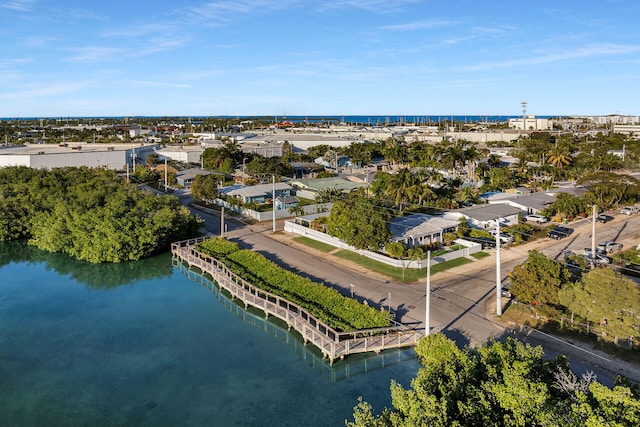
78 58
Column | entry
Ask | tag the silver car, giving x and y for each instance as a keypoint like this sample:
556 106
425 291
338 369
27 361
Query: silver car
629 210
609 247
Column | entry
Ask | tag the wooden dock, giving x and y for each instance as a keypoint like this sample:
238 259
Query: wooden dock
332 344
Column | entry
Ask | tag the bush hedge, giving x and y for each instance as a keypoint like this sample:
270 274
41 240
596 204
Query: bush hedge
327 304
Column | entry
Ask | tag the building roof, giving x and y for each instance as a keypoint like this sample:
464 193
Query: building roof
191 173
68 147
537 201
488 212
287 199
419 225
320 184
254 190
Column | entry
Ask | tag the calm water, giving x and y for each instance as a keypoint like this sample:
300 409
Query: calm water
143 344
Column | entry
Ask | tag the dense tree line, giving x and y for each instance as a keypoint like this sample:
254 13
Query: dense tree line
359 221
600 296
500 384
89 214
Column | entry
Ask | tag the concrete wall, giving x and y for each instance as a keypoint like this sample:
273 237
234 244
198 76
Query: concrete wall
472 247
268 216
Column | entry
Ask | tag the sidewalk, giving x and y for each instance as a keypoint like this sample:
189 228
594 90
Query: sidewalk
576 350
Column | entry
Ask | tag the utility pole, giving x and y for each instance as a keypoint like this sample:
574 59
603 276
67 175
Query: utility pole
593 234
222 223
274 203
498 273
243 174
166 175
427 327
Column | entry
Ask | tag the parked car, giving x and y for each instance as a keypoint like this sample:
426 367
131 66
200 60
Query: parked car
587 252
484 241
560 232
505 292
604 218
540 219
609 247
600 260
504 237
629 210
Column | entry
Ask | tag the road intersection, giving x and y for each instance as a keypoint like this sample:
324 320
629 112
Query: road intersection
462 299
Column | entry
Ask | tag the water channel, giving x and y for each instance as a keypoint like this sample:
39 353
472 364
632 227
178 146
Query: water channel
151 343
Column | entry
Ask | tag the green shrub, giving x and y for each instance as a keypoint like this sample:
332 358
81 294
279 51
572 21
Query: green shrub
327 304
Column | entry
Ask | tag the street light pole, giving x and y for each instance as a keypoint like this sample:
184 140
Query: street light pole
427 327
273 202
593 234
243 173
498 273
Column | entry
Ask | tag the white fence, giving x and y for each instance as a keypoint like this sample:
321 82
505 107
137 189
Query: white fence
471 248
268 216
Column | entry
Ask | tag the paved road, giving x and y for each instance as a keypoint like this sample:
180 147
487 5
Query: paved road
463 299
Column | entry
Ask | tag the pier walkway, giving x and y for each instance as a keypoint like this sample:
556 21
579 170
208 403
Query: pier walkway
332 344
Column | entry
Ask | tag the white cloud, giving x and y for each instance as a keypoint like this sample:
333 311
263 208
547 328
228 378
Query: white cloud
18 5
97 53
149 83
140 30
53 89
374 6
420 25
579 53
221 12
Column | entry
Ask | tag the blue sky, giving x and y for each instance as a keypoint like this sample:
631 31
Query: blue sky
335 57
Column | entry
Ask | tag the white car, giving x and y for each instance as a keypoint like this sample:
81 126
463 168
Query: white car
504 237
536 218
629 210
609 247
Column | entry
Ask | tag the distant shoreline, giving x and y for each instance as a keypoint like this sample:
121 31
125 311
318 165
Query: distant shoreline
362 119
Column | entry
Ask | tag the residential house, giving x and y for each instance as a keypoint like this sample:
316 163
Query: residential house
257 193
310 188
286 202
185 177
420 229
484 217
532 203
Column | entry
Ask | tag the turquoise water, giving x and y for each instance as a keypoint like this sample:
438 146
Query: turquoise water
143 344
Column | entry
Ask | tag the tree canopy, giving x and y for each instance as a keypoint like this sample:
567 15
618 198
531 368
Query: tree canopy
359 221
89 214
499 384
539 279
606 297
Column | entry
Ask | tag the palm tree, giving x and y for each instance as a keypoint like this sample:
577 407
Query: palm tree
397 186
296 210
329 194
420 191
395 151
558 157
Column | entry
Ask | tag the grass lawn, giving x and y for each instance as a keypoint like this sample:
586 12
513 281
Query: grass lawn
395 273
522 315
480 255
324 247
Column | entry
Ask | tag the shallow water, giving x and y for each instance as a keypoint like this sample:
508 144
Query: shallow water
143 344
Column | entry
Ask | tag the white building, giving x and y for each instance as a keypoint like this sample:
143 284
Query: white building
38 156
627 129
420 229
184 154
530 123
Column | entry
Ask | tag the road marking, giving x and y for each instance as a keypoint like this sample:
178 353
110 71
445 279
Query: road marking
569 344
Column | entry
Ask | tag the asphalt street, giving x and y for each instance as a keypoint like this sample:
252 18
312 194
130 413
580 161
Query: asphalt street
463 299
